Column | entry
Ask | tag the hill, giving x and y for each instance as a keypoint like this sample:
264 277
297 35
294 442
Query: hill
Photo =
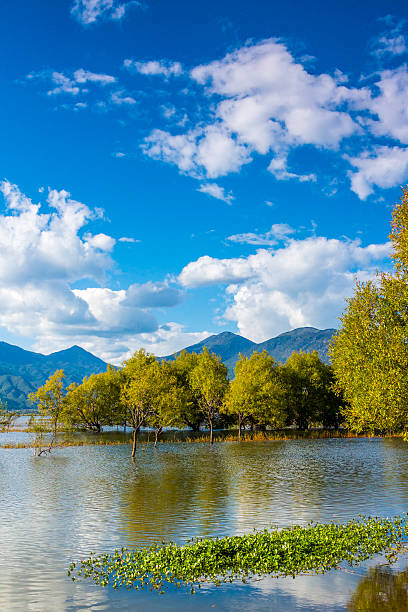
228 345
22 372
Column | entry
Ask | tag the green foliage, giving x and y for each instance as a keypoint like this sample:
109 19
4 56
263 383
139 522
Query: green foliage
370 351
209 381
287 552
95 402
308 395
50 398
191 414
256 392
370 356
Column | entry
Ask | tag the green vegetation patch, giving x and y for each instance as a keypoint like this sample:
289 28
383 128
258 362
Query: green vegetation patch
317 548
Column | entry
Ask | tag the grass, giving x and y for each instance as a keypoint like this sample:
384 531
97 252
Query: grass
108 438
296 550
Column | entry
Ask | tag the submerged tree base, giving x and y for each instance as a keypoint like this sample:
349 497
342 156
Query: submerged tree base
316 549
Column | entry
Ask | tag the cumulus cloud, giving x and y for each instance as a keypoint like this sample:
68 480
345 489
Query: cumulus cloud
268 102
91 11
102 242
215 191
44 252
209 152
302 283
163 68
389 108
382 166
261 100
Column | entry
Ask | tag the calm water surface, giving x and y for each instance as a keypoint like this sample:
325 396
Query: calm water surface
94 498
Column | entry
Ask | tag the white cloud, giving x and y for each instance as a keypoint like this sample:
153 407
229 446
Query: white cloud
44 254
393 41
269 103
279 168
90 11
209 152
302 283
383 166
102 242
130 240
209 271
390 107
278 231
215 191
163 68
121 98
64 84
83 76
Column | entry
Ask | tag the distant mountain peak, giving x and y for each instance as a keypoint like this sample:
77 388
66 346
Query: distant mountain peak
228 345
21 371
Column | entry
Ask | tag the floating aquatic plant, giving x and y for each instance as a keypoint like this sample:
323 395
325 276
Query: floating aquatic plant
316 549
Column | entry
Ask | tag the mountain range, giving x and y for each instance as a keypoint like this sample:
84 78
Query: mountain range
228 345
22 372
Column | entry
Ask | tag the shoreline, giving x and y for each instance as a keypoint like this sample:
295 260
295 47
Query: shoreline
179 437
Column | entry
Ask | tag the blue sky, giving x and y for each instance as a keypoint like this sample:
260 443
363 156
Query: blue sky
171 170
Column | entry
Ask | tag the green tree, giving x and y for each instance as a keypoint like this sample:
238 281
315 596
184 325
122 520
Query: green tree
370 351
139 375
307 381
191 414
50 400
256 392
95 402
209 381
167 399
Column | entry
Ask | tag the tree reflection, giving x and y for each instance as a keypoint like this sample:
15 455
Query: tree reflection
172 493
382 590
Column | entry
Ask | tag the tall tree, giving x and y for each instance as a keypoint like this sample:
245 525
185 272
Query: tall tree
50 400
168 399
209 380
95 402
256 392
370 351
191 414
306 380
138 374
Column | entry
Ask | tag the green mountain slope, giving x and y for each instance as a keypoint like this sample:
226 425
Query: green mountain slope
22 372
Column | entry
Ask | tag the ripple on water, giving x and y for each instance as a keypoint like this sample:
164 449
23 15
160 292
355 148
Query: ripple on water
94 498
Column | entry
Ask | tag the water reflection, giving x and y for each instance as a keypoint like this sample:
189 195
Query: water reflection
382 590
59 508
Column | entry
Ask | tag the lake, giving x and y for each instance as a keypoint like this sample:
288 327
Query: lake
59 508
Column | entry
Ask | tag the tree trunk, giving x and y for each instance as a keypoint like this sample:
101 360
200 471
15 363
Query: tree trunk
211 432
239 428
156 434
135 432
